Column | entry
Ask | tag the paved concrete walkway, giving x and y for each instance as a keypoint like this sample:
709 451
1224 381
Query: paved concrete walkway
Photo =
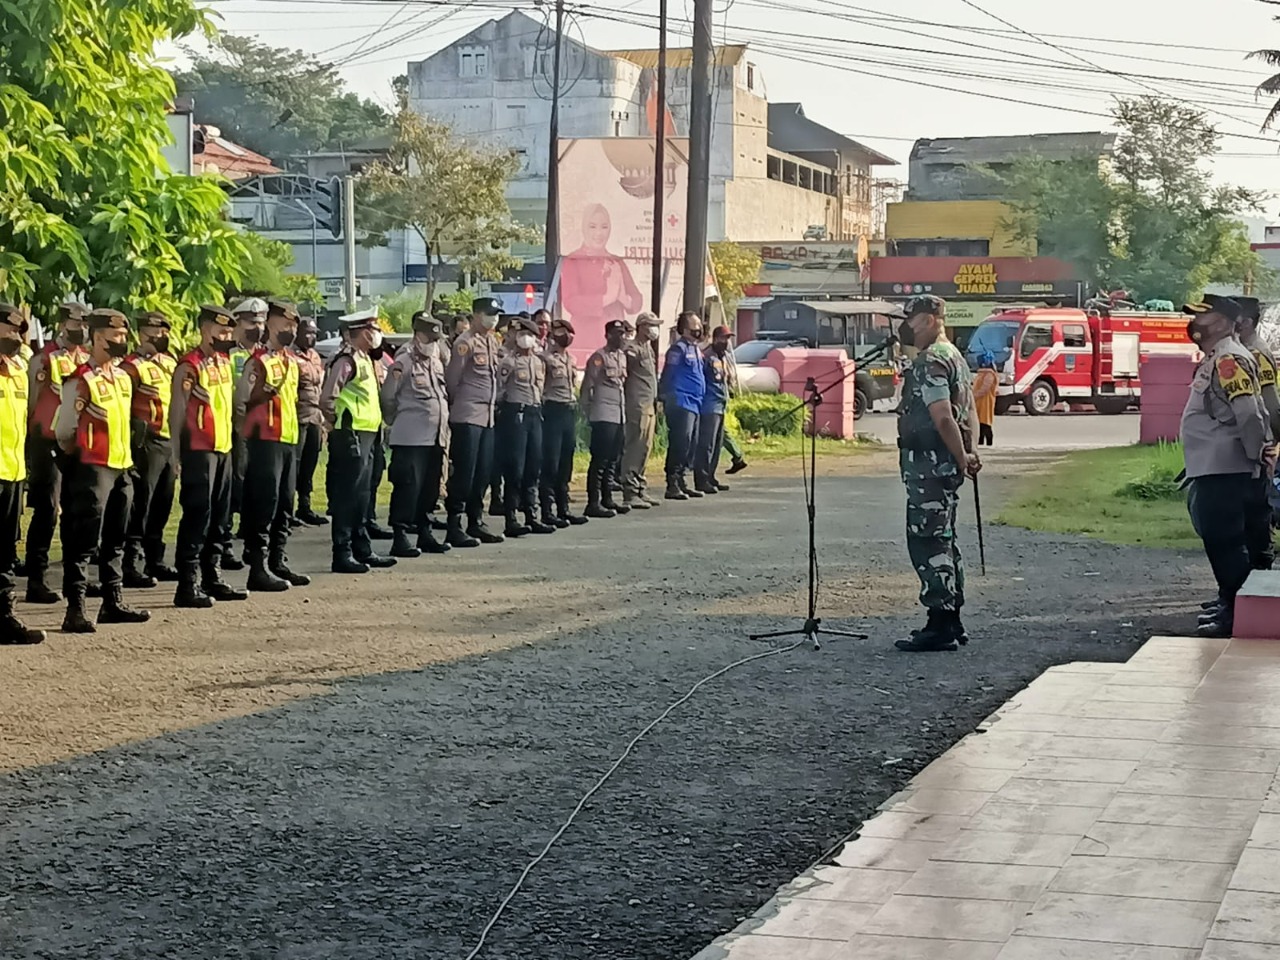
1107 812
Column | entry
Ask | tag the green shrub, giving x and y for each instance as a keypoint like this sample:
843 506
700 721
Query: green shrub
765 415
1160 482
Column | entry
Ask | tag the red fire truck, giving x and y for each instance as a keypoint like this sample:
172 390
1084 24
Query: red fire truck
1095 356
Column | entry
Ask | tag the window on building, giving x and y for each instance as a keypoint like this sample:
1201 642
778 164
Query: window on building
751 76
473 62
516 114
617 128
1073 335
773 168
942 250
522 157
1035 336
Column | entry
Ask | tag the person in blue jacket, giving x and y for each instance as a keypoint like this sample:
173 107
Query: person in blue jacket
682 388
716 372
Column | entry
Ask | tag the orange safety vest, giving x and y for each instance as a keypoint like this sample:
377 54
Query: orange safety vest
103 409
276 418
60 363
208 419
152 389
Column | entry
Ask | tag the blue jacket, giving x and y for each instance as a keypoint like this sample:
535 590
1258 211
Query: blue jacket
683 383
716 373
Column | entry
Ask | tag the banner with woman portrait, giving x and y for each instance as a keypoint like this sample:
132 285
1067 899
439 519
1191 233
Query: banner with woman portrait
606 231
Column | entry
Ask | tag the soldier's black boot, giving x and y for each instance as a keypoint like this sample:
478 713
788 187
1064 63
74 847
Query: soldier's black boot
936 637
514 528
37 590
189 595
134 576
562 510
218 589
76 621
377 531
377 560
427 542
13 632
230 561
402 546
262 580
457 536
1221 626
737 466
535 526
691 492
279 565
479 531
607 490
596 510
673 489
549 515
114 609
156 567
344 562
309 516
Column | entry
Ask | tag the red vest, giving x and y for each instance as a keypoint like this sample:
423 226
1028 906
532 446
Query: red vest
59 365
208 414
276 417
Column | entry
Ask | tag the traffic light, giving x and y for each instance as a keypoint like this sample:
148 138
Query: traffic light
329 200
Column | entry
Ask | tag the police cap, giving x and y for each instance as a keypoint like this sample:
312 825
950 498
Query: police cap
1212 303
360 320
422 320
527 324
152 318
615 326
1250 308
925 303
218 316
13 316
487 306
282 308
253 305
562 324
72 311
106 319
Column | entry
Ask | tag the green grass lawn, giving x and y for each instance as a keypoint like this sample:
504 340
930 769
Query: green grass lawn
1125 495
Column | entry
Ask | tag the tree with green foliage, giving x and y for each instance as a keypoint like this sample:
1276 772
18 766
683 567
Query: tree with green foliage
1150 221
735 268
451 193
266 274
277 101
87 206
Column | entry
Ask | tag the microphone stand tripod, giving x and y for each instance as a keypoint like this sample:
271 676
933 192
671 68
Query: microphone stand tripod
812 627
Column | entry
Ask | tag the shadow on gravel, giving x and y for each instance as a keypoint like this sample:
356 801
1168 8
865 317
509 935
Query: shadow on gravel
387 819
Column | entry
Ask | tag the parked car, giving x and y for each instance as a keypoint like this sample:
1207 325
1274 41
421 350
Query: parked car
878 381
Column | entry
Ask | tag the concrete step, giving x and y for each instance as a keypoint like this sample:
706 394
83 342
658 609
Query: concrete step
1258 606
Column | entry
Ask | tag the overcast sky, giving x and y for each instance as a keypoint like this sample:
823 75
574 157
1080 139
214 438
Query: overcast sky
809 50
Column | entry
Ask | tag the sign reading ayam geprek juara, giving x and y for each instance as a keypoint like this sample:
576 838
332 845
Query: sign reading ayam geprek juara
976 279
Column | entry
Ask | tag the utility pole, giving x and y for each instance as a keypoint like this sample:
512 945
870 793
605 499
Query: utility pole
659 162
552 246
695 244
349 241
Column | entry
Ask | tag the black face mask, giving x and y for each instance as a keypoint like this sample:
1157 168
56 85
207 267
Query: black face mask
9 346
375 353
906 336
285 338
223 345
118 349
695 333
74 337
562 339
161 343
252 335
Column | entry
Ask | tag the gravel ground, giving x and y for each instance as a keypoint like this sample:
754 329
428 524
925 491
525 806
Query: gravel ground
388 817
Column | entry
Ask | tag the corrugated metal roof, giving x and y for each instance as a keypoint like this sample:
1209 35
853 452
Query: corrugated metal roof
1051 146
790 131
680 58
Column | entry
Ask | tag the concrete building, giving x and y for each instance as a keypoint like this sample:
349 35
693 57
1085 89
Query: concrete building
775 173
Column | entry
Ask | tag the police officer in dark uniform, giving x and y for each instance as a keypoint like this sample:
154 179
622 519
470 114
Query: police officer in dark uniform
472 376
604 400
937 430
353 413
1261 543
1227 446
201 415
641 412
95 432
14 387
521 378
151 368
715 402
415 403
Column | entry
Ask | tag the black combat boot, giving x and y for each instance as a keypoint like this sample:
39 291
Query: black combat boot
705 485
457 535
634 501
738 466
1221 626
134 576
37 590
190 596
344 562
377 531
562 510
376 560
262 580
402 546
309 516
596 509
608 487
76 621
514 528
13 632
534 525
114 609
218 589
674 489
229 561
279 565
479 531
157 568
549 515
936 637
691 492
427 542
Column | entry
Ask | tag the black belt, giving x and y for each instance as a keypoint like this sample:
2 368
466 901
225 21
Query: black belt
519 407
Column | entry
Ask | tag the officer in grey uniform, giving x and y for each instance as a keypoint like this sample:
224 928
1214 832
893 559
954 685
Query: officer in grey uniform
415 404
604 400
505 334
472 378
559 427
521 377
641 394
1261 545
1226 446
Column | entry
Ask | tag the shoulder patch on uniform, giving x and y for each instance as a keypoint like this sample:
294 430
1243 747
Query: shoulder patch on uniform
41 377
597 361
80 404
461 348
1233 378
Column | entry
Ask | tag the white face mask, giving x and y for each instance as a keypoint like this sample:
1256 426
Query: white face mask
525 341
489 323
654 333
377 340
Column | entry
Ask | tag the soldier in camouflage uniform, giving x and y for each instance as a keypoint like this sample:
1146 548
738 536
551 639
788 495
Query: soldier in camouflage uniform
937 427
